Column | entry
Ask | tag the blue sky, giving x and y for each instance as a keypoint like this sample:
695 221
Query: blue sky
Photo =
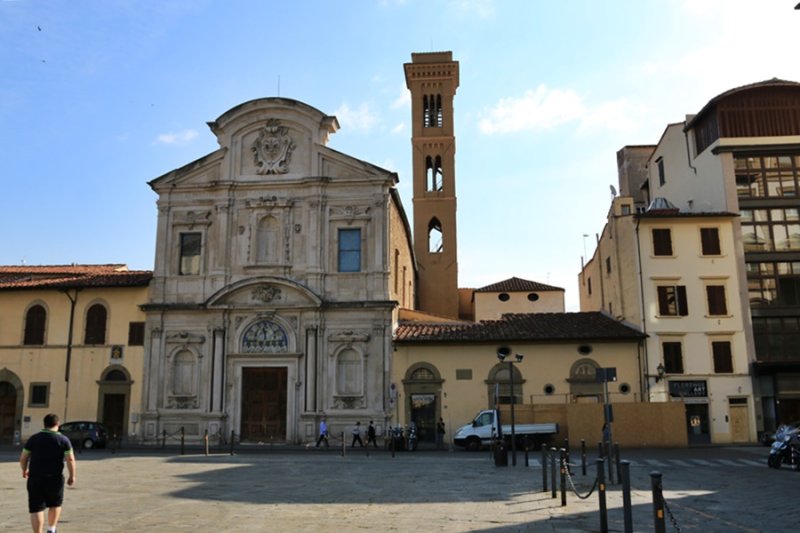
99 97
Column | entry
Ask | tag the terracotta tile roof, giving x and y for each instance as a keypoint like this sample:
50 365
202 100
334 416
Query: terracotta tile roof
71 276
521 327
517 285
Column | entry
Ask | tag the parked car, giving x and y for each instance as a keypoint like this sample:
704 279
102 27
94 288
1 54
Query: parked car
768 437
85 434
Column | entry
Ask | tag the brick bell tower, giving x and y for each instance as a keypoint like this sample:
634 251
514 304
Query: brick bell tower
432 79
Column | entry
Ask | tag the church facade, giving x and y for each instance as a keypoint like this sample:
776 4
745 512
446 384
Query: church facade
280 265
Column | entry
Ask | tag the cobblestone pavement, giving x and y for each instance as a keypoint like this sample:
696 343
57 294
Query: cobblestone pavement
707 490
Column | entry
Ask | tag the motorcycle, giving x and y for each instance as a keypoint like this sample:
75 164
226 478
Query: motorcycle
397 440
411 433
786 448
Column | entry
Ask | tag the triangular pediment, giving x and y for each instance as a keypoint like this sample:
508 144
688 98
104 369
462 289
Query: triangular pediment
264 292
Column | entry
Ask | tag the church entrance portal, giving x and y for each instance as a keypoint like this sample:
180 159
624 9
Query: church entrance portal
264 404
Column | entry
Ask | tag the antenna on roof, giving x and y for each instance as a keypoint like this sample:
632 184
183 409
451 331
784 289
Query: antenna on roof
613 191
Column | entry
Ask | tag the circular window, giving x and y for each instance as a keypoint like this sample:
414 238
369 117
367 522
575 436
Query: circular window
584 349
533 297
504 351
549 388
503 297
624 388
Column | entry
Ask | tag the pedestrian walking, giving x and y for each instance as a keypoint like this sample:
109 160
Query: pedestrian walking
357 435
371 434
323 433
440 433
42 461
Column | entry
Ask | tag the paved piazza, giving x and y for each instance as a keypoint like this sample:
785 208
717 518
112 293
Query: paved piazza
707 490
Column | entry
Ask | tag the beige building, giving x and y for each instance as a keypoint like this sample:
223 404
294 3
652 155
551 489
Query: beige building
280 266
722 222
516 295
451 370
71 343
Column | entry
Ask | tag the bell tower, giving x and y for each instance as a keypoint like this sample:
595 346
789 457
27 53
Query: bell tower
432 79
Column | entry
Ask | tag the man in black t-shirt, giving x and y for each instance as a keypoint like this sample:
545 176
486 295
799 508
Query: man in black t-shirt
42 461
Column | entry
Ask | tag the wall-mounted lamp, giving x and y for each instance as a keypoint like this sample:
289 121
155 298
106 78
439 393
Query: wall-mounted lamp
659 372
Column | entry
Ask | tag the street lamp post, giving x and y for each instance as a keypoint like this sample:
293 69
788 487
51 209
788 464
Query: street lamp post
501 354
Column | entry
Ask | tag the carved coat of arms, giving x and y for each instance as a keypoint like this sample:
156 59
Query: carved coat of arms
272 150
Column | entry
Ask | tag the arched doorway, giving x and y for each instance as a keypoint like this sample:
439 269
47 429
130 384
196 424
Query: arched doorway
423 387
114 402
583 384
10 405
499 383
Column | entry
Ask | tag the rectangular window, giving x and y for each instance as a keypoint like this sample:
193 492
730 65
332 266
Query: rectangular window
723 358
662 242
191 245
662 179
463 373
716 300
608 265
673 357
40 395
589 286
350 250
672 300
136 334
709 239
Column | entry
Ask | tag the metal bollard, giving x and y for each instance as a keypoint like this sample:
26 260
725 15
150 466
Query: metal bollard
233 436
616 461
601 494
553 472
563 477
627 510
600 450
658 503
163 439
566 448
583 457
544 468
526 452
344 445
183 439
610 463
205 441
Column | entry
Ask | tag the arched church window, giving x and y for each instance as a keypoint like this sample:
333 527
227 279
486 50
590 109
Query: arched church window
423 374
265 337
268 240
183 373
115 375
96 325
435 244
348 372
432 110
35 320
433 171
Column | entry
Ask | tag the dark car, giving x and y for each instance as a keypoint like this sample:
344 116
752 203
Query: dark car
768 437
85 434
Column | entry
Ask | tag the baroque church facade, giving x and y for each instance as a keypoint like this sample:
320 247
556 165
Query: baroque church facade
280 265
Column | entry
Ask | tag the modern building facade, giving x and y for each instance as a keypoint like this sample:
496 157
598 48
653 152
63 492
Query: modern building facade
71 342
280 265
740 155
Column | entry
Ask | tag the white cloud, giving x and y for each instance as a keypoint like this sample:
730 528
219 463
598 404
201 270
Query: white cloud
360 119
399 128
403 100
541 109
482 8
180 137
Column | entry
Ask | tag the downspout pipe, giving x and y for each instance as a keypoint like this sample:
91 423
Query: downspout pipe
73 300
646 387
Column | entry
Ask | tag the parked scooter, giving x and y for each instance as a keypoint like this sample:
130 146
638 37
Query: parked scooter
397 440
411 435
786 448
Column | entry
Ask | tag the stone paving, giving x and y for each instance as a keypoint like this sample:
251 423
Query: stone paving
298 489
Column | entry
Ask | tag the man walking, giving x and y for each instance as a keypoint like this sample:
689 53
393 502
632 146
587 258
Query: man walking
357 435
42 461
371 434
323 433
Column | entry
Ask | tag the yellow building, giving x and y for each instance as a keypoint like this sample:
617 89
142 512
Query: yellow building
71 343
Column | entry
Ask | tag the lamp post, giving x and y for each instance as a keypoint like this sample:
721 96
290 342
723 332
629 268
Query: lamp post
501 355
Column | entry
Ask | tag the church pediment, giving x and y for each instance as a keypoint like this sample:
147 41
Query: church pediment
264 292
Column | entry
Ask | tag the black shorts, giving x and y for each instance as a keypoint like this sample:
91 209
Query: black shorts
45 492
